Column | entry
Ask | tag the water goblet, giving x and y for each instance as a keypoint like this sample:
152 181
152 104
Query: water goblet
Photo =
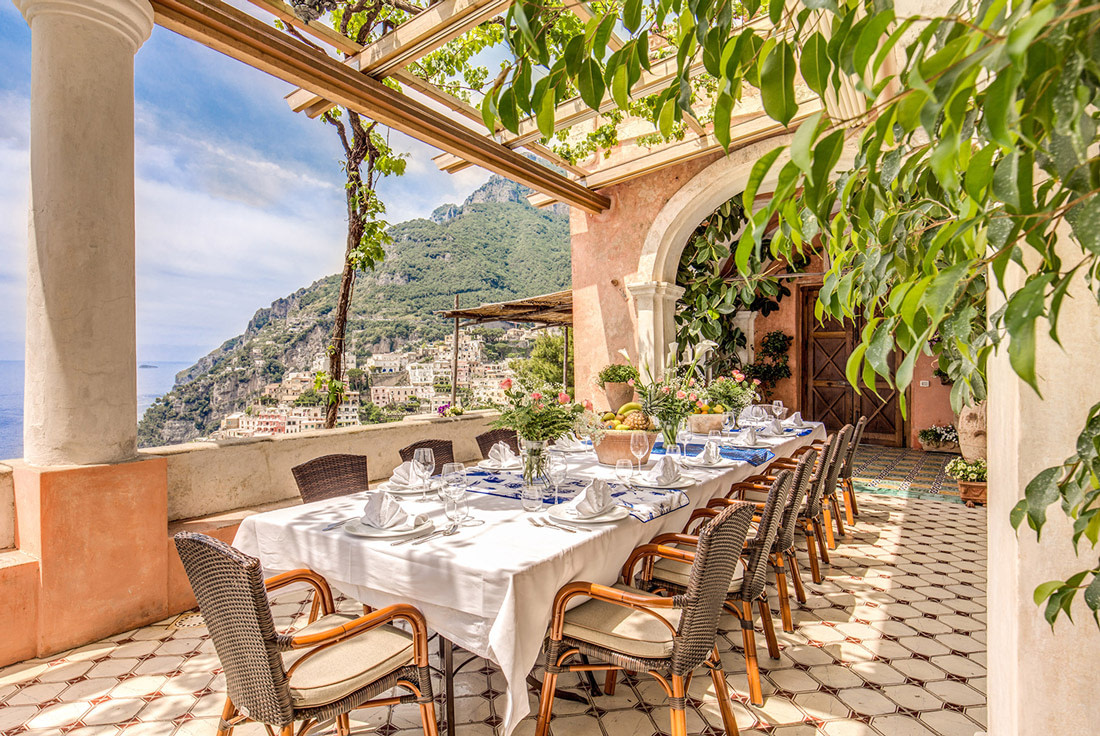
639 446
557 470
530 496
424 465
624 470
457 509
777 408
715 436
454 481
673 452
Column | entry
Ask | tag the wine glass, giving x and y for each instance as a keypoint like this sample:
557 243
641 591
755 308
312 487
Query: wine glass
777 408
424 464
673 453
624 470
456 509
639 446
715 436
557 470
454 480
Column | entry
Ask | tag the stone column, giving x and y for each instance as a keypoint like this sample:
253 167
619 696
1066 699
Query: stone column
80 403
655 312
1038 676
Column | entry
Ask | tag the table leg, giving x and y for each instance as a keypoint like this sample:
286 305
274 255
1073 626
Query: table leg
446 654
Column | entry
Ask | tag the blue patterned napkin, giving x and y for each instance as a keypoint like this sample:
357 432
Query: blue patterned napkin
754 457
644 504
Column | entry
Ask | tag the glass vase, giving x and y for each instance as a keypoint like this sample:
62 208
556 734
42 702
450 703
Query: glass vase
534 455
670 432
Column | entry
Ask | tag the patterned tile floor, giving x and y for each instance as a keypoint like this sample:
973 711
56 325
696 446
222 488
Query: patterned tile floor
895 471
891 644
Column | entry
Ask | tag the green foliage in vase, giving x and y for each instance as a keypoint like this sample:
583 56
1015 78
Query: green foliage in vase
975 168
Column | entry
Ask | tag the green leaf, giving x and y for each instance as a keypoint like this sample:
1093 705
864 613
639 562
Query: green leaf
722 107
1040 493
603 35
1043 591
1006 180
775 11
777 83
1092 594
545 114
999 108
590 84
870 38
816 65
574 54
667 117
756 176
509 113
1084 218
620 87
803 140
979 172
632 14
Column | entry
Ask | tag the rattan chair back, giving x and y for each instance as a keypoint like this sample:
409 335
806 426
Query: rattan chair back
800 486
850 457
826 458
840 452
443 450
230 590
767 528
716 558
486 440
330 476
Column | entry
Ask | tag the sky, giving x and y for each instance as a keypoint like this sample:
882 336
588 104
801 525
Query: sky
239 200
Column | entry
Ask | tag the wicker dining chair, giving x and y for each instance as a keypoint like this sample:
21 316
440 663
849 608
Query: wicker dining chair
851 508
443 450
321 672
784 558
486 440
666 637
747 586
330 476
831 506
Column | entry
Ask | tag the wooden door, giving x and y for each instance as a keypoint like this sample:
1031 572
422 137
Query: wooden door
826 394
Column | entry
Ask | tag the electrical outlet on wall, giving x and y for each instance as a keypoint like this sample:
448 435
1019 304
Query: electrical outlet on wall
924 384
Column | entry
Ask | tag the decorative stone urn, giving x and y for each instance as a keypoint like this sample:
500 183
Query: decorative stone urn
972 492
972 432
617 394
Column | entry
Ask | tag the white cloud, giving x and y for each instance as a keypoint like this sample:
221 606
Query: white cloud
14 197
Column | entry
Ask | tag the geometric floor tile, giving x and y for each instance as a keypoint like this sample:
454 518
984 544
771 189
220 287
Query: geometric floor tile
891 643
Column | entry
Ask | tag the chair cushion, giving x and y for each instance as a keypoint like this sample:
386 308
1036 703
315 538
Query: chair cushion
347 666
677 573
622 629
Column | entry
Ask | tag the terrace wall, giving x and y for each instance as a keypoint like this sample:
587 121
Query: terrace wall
93 552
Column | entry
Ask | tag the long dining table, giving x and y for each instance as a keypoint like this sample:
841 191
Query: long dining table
488 588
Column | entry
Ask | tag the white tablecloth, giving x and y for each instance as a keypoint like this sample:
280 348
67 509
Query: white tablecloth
488 589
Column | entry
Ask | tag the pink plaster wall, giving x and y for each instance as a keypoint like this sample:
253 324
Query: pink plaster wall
606 248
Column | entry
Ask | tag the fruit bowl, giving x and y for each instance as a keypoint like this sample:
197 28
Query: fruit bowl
706 423
615 446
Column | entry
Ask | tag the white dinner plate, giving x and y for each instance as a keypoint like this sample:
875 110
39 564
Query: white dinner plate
723 463
359 529
684 481
490 465
397 490
562 513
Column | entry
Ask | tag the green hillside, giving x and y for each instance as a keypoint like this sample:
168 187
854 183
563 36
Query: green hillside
492 248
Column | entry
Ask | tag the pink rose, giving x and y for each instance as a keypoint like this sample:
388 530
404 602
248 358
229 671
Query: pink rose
756 382
563 398
540 406
630 382
506 384
666 389
536 396
693 397
681 395
700 405
721 379
691 382
588 405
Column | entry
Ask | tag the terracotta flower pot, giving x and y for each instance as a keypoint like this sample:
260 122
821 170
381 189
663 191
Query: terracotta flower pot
617 394
615 446
972 492
972 432
705 423
937 446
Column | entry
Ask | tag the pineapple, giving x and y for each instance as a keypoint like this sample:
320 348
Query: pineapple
637 420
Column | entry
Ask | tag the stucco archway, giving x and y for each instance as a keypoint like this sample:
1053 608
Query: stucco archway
653 286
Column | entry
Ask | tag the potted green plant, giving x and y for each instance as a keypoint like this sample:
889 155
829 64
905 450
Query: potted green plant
971 476
617 381
939 438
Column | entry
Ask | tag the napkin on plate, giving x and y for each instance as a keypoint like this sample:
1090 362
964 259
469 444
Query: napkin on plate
711 453
405 476
794 420
502 456
593 501
568 442
383 511
774 427
748 436
664 473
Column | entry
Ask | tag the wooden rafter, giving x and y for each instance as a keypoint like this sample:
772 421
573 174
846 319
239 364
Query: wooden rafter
239 35
416 37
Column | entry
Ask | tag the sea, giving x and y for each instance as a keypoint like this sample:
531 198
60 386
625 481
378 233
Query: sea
154 379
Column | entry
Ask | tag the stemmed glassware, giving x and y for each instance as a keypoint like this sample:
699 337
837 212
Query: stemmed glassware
639 446
557 471
777 408
673 452
624 469
454 490
424 465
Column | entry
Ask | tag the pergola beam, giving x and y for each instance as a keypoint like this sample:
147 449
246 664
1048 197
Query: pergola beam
239 35
413 39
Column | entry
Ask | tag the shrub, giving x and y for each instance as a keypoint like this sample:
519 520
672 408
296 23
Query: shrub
617 373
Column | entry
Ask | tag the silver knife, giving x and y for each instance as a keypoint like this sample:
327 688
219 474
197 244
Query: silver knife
422 535
555 525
